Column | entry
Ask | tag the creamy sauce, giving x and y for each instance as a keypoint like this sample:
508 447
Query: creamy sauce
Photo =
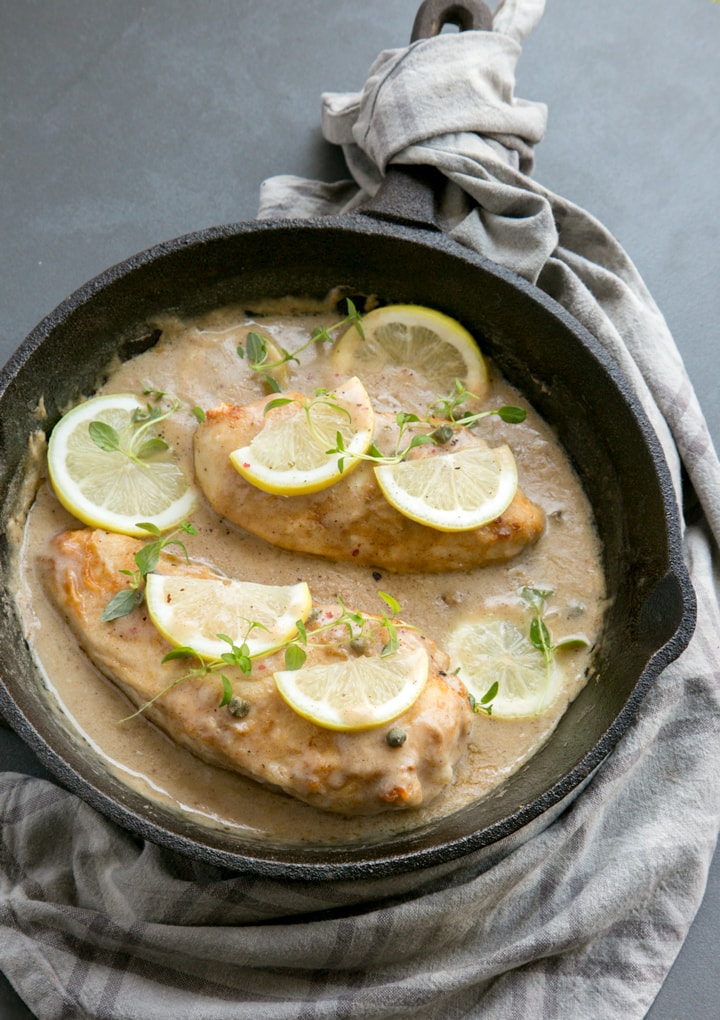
198 363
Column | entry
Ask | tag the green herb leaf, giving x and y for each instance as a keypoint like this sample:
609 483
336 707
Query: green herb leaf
199 414
104 436
150 447
256 348
512 415
150 391
485 703
490 694
227 691
354 317
390 601
422 440
295 656
238 655
151 528
182 652
320 334
121 604
539 634
392 644
278 402
147 557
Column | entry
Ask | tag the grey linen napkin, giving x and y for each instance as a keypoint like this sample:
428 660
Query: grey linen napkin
582 919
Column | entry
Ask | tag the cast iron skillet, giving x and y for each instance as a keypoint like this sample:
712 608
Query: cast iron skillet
393 250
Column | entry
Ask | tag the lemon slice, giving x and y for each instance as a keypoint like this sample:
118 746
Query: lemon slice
289 455
356 694
105 488
452 491
489 651
418 338
192 611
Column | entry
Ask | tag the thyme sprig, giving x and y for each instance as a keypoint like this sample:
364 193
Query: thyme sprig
450 408
257 352
134 441
404 420
407 422
295 648
146 560
540 637
484 704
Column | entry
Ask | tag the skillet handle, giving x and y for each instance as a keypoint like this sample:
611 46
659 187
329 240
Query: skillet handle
408 194
433 15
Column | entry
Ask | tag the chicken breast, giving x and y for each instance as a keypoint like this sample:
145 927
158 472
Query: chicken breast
351 520
257 734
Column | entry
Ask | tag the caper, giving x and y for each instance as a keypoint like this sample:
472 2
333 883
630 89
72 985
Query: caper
443 433
396 737
238 707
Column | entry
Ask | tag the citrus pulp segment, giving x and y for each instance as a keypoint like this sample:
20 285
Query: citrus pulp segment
106 488
290 454
356 694
452 491
422 339
192 611
493 650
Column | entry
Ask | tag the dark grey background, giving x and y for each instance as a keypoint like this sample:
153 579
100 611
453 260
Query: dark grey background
125 123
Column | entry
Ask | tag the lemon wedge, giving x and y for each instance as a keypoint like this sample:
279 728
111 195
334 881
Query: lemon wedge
452 491
492 650
106 488
417 338
289 455
192 612
356 694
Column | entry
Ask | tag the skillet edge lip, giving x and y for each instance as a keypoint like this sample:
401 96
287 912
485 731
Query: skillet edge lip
346 864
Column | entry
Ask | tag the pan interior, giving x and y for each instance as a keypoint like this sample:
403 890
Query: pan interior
539 348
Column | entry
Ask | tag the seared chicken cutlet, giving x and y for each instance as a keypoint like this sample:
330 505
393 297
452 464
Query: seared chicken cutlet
355 773
351 520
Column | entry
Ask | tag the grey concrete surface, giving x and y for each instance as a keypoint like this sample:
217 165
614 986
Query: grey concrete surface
124 123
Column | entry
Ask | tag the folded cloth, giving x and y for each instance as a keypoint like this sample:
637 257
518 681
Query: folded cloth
582 919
